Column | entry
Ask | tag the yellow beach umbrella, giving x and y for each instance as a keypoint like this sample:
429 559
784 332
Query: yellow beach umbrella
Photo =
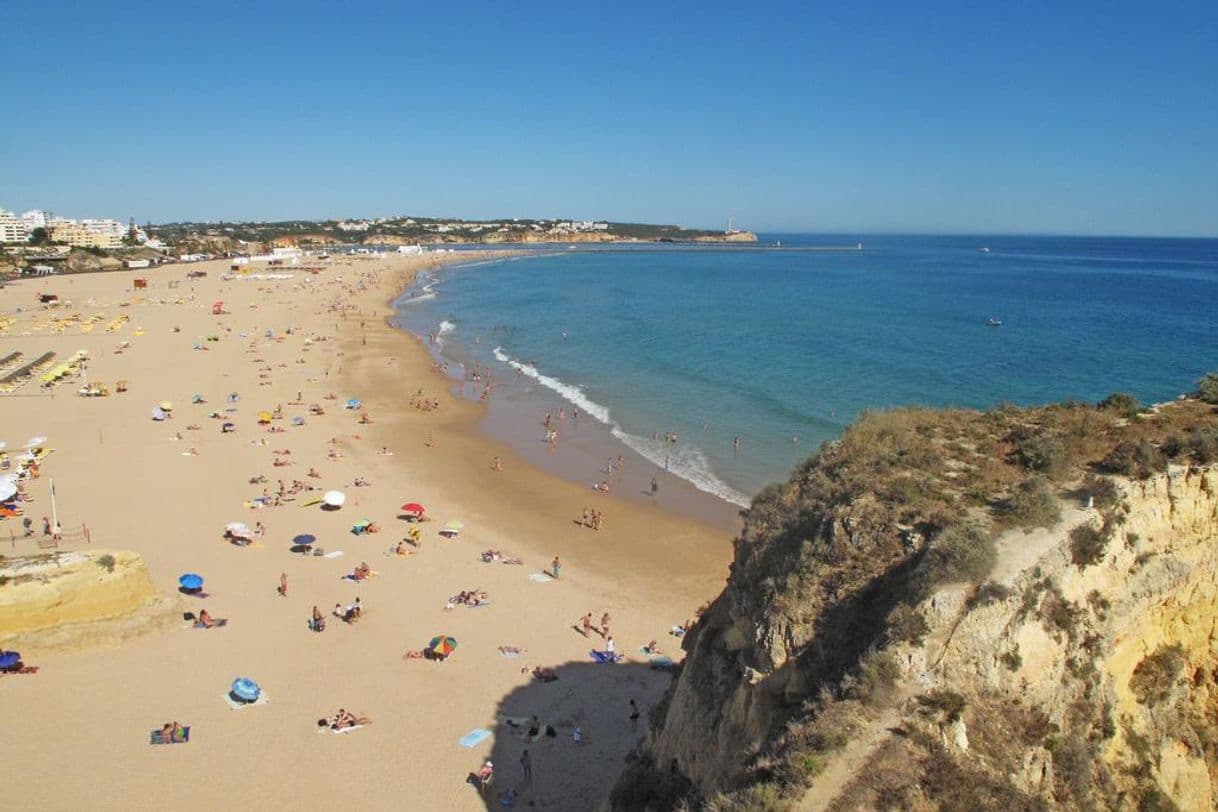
167 405
265 417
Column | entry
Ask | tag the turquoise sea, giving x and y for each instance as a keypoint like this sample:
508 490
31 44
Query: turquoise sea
784 346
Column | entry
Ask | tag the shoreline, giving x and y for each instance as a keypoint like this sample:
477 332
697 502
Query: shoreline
512 416
139 488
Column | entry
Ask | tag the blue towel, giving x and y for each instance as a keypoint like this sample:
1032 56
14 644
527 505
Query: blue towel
474 737
605 656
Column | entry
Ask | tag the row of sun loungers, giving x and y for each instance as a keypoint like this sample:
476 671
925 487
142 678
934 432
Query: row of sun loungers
18 377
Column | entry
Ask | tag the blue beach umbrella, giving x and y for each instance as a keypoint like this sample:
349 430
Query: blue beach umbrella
353 404
191 581
246 689
304 540
298 421
9 659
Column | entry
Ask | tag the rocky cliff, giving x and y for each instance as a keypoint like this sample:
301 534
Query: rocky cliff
77 599
961 610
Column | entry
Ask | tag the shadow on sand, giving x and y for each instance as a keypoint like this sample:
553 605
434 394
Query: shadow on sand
568 773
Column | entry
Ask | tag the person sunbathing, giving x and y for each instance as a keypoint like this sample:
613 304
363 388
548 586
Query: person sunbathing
400 548
362 571
653 648
372 527
314 473
204 621
545 675
490 555
414 654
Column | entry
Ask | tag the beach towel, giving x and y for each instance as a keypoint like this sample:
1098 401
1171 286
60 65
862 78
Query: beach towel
217 622
474 737
235 705
604 656
509 654
157 736
329 729
540 577
334 554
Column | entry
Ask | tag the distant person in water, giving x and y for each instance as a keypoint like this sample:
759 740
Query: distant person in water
655 486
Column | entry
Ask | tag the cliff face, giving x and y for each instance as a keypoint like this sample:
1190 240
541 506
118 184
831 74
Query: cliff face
861 656
69 600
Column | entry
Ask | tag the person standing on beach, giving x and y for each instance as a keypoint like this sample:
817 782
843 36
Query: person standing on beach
526 764
634 713
555 566
283 584
498 464
586 622
605 625
46 526
655 487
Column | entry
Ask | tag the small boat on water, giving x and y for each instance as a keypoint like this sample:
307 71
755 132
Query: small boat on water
993 322
984 250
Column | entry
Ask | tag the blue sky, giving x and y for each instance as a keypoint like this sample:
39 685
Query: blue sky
1086 118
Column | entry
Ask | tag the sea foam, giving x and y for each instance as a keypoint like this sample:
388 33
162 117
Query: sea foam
446 327
685 461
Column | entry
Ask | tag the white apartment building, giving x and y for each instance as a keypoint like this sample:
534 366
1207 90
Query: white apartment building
106 228
12 228
36 218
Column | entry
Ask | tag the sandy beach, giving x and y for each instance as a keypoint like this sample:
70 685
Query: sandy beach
77 732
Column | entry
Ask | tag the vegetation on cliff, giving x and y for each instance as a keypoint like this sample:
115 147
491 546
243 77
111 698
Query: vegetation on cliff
823 628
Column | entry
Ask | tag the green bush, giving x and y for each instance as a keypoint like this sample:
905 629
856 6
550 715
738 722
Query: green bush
1203 446
961 553
1123 403
1102 490
1207 388
1011 659
1032 504
106 562
878 672
1139 460
1087 546
1043 453
1154 678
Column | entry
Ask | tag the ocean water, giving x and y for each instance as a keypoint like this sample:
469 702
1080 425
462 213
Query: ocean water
784 347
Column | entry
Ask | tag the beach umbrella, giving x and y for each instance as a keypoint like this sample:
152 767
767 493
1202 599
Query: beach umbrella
9 659
304 540
246 689
453 527
265 417
443 645
191 581
167 405
8 490
233 397
3 445
239 529
334 498
158 413
353 404
298 421
362 524
413 507
34 442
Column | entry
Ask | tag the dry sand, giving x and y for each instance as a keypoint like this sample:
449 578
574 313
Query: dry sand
76 733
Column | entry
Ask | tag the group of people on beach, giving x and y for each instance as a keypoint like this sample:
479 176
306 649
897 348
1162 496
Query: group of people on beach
593 518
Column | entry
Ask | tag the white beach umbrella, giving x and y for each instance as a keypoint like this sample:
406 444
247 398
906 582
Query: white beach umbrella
34 442
239 529
334 498
7 491
3 445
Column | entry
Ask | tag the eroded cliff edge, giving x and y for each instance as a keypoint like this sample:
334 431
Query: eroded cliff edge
962 610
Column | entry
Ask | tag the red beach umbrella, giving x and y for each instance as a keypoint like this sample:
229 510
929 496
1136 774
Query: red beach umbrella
413 507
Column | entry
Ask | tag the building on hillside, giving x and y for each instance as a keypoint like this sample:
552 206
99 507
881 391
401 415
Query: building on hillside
78 235
36 218
410 249
12 228
107 228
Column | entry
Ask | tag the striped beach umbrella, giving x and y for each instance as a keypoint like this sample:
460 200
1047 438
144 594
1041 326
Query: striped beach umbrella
442 645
